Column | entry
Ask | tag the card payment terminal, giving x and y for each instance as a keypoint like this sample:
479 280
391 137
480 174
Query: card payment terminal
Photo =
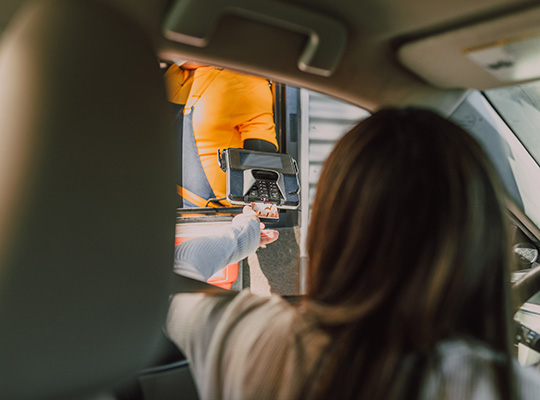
254 176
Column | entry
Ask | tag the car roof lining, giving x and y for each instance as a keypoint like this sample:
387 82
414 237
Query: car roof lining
370 77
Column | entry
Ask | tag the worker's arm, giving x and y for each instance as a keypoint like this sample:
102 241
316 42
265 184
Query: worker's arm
253 116
259 145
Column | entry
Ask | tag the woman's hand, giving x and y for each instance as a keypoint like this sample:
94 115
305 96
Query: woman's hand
267 235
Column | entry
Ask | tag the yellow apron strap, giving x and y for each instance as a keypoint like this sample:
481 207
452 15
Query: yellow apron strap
192 197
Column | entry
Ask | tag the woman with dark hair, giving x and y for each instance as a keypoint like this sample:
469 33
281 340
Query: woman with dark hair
408 283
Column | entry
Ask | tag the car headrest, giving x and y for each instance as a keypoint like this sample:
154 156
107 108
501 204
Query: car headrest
87 200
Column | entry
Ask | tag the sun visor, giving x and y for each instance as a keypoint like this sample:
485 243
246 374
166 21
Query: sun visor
194 22
493 53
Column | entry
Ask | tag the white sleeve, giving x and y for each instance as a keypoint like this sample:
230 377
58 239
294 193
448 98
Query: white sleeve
202 257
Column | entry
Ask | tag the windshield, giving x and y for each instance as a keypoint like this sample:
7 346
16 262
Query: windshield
520 107
509 131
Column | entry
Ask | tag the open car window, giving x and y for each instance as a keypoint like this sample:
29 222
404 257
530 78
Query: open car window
216 109
307 126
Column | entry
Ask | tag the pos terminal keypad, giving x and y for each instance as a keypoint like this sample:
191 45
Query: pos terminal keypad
264 190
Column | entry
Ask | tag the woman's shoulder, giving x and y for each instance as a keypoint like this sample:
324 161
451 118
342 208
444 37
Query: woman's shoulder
470 364
528 382
457 350
242 308
259 311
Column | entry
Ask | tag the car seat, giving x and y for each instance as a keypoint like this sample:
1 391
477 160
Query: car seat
87 200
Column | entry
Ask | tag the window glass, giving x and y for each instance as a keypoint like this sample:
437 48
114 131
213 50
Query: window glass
520 108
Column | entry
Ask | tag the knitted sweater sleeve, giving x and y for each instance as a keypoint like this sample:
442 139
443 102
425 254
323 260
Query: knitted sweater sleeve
202 257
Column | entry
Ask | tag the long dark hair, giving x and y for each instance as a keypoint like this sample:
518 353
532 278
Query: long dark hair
408 247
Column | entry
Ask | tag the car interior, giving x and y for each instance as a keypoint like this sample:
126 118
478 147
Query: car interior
88 218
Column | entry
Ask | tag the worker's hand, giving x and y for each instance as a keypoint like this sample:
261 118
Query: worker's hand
267 235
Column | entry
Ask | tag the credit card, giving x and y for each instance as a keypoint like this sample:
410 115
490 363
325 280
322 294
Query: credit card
266 210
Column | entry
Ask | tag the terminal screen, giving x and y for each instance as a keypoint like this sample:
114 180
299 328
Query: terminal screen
261 160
